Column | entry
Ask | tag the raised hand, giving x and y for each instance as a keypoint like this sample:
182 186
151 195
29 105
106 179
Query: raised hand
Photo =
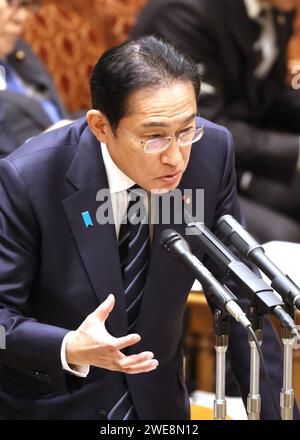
91 344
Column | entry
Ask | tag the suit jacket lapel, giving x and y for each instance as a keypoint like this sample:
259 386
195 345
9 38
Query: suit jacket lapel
97 244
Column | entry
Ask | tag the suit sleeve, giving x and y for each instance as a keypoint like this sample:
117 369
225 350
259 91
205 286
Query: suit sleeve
31 346
187 25
238 350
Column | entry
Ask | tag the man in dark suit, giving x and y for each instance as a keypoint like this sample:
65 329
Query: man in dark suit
29 103
75 282
240 47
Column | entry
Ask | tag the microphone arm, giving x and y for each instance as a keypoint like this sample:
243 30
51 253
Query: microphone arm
178 247
263 295
252 250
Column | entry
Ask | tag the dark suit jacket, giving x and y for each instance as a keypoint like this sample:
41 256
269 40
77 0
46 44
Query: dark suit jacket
220 37
54 272
22 117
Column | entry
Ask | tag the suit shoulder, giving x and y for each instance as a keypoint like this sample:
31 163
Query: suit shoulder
218 134
47 147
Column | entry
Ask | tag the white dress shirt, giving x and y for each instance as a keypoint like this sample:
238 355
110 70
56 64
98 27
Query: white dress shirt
267 42
118 184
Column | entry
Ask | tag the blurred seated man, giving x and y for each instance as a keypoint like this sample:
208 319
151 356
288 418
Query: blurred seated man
29 103
240 47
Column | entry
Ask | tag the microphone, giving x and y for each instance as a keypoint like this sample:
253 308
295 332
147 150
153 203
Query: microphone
178 247
252 250
262 294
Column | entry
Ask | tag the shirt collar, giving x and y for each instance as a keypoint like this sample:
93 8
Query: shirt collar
117 180
254 8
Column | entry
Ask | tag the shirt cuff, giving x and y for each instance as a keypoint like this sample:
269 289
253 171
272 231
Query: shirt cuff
77 370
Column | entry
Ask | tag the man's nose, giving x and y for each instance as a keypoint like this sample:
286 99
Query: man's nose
172 155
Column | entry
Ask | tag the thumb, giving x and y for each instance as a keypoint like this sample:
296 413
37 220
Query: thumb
102 312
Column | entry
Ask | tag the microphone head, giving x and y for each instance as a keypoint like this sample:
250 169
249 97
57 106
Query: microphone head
172 240
224 224
167 236
238 235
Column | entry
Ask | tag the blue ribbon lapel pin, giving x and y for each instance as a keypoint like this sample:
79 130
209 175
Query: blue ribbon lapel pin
87 219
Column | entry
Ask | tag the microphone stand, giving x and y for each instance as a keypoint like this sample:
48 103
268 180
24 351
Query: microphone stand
254 398
287 396
221 327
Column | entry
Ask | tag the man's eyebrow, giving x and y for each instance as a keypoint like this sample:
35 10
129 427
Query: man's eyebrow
164 124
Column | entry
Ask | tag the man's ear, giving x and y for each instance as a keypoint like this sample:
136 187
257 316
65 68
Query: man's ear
99 125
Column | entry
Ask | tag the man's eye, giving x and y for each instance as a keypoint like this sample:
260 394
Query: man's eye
154 136
186 130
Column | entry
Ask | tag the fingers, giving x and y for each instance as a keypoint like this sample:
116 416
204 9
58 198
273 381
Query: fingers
103 311
144 367
127 341
95 346
135 359
138 363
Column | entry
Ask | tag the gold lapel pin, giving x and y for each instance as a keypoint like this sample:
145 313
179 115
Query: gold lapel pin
20 55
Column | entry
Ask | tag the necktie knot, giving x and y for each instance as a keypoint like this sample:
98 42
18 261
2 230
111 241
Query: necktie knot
136 192
137 208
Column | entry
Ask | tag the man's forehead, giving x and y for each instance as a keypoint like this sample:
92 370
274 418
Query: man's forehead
161 107
162 93
167 121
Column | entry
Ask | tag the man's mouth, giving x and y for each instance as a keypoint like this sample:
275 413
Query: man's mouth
171 178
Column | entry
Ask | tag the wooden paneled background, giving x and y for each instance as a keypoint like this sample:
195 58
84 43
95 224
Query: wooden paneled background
71 35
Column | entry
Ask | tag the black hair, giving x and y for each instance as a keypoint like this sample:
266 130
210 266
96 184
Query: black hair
134 65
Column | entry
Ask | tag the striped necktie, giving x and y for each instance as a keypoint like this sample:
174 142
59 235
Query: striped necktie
134 249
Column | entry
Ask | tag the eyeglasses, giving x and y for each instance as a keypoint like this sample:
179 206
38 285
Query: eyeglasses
160 144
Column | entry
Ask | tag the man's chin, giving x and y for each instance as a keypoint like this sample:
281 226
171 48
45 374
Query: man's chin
160 191
164 189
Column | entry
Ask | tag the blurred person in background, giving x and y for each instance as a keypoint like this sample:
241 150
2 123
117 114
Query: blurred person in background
29 102
240 47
